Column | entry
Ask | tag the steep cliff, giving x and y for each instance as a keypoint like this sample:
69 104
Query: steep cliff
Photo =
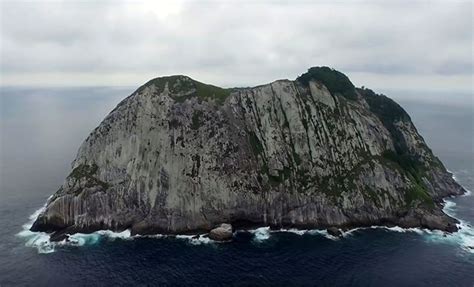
180 156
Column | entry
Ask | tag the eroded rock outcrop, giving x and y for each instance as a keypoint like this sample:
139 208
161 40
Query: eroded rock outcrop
179 156
222 232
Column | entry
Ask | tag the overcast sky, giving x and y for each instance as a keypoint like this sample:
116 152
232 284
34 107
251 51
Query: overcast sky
380 44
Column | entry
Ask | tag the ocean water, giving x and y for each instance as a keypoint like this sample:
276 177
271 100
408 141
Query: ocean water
41 130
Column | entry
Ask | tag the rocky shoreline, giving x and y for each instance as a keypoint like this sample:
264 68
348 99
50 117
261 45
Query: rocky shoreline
224 232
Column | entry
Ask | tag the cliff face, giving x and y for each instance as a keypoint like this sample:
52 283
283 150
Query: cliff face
179 156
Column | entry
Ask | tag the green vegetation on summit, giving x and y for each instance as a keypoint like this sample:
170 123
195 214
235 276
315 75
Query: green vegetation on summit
335 81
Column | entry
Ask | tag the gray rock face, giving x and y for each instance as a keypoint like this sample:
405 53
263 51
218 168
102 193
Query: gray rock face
221 233
334 231
179 156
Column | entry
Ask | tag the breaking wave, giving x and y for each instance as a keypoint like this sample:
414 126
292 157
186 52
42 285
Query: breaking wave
465 235
194 239
264 233
261 234
468 192
41 240
38 240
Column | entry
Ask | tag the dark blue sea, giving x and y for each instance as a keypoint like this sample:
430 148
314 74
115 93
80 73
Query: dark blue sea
41 130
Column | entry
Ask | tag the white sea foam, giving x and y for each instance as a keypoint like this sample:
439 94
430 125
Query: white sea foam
321 232
126 234
81 239
350 232
41 240
264 233
387 228
464 236
449 207
38 240
294 231
261 234
401 229
468 192
192 239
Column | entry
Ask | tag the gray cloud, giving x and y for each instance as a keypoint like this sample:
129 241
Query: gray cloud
233 43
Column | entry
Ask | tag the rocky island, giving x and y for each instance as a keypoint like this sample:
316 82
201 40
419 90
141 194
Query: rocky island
179 156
